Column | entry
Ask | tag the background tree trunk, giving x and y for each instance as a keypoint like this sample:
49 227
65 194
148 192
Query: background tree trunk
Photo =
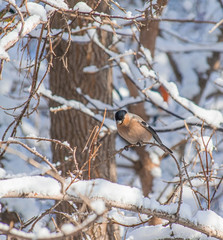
74 126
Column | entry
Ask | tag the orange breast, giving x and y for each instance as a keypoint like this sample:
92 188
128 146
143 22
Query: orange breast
134 133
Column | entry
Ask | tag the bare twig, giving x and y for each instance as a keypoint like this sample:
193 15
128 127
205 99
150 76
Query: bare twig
52 172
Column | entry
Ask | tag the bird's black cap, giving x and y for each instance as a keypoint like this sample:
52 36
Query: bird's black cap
120 115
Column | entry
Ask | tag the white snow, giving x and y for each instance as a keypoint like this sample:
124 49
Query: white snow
43 232
28 129
15 231
219 81
160 232
209 218
35 9
82 7
75 38
188 5
149 233
105 190
128 14
95 102
156 98
3 54
125 68
66 143
205 141
156 172
25 185
69 103
147 73
122 218
147 54
181 41
2 173
108 190
30 24
124 92
67 228
57 3
78 106
186 209
12 2
11 38
90 69
212 117
98 206
155 158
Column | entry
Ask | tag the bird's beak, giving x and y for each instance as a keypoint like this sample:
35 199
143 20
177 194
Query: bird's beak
119 122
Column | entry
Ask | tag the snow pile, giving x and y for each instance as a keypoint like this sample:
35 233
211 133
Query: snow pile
25 185
102 191
161 232
211 117
82 7
111 191
38 14
35 9
3 54
57 3
205 143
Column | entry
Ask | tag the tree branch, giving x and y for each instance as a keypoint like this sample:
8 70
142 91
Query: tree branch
113 195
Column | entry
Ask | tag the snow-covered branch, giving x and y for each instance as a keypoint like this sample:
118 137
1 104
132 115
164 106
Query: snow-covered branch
67 104
98 105
38 16
113 195
212 117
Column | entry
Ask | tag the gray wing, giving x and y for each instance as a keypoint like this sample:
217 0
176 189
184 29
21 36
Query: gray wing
155 135
152 131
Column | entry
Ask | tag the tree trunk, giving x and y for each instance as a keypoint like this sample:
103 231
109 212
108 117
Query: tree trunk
74 126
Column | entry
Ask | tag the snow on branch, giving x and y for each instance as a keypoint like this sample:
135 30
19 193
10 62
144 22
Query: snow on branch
50 169
38 15
101 106
67 104
11 38
113 195
211 117
59 4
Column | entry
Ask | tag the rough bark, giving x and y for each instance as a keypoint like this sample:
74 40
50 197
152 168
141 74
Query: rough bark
71 125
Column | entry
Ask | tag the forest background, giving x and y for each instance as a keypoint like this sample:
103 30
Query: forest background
66 68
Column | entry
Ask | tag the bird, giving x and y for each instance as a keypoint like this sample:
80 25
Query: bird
135 130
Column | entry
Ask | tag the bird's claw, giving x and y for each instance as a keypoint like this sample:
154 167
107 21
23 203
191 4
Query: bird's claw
126 148
139 144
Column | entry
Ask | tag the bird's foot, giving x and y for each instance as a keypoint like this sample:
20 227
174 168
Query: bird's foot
139 144
126 148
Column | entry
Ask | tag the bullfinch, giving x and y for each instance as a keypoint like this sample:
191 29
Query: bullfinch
135 130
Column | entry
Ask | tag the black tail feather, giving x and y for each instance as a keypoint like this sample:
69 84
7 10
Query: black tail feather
166 148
